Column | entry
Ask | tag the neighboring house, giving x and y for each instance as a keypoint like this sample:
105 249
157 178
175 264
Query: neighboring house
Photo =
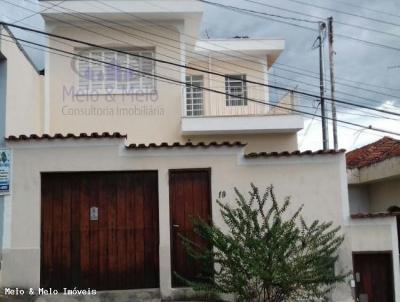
374 196
104 209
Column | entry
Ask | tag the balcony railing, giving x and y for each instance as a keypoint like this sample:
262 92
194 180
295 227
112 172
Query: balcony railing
203 103
207 113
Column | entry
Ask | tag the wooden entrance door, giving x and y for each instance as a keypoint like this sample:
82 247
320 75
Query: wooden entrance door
189 198
373 273
100 230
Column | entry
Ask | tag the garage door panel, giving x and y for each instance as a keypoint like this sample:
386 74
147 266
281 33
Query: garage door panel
119 250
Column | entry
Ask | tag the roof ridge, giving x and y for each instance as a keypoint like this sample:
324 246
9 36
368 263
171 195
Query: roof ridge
380 150
253 155
373 143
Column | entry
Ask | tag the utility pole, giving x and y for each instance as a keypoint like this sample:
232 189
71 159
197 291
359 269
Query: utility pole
325 137
332 76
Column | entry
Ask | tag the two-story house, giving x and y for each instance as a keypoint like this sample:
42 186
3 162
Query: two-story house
134 126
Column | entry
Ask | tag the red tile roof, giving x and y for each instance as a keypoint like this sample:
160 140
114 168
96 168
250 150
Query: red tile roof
186 145
65 136
294 153
374 215
118 135
378 151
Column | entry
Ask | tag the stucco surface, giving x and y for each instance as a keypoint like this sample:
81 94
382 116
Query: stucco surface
318 182
24 91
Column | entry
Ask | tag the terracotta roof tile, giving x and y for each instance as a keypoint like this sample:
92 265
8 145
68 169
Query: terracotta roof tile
374 215
186 145
294 153
65 136
378 151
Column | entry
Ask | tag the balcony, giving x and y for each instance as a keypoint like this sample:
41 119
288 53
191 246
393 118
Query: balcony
207 113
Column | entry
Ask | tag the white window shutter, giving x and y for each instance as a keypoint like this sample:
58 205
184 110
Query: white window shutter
84 72
122 73
96 71
100 77
110 70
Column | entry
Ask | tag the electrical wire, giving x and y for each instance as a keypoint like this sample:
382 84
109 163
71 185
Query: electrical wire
191 68
195 86
345 13
320 18
245 11
218 60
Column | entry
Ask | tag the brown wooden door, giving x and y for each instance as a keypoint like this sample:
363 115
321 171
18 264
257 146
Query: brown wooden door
373 273
189 198
118 249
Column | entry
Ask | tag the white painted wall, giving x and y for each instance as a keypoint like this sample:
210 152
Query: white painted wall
318 182
24 90
384 194
377 234
359 199
374 197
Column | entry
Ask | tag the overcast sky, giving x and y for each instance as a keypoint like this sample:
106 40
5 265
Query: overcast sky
357 63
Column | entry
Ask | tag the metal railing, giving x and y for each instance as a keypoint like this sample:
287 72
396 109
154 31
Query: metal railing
200 103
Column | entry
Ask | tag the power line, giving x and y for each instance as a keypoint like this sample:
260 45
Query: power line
166 8
346 13
246 66
338 91
367 8
245 11
286 78
136 36
147 74
359 114
36 13
140 37
341 126
342 78
131 34
341 83
189 67
160 36
261 13
305 83
320 18
236 51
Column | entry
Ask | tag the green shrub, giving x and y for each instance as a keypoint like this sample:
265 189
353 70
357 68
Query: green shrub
267 254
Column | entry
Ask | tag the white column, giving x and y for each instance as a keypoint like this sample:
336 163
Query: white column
165 240
396 260
183 69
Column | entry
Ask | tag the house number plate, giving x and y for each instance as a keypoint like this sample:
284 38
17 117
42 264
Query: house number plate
94 213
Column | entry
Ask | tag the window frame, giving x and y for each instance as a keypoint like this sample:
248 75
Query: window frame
192 90
115 90
231 101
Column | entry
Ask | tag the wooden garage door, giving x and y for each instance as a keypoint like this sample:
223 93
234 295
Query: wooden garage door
115 248
189 198
373 273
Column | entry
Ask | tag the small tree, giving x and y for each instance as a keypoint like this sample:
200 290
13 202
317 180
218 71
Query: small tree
266 256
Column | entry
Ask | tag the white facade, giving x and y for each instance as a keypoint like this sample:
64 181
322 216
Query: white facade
317 181
373 190
169 31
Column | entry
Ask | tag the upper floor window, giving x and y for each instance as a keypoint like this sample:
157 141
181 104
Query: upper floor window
236 90
98 77
194 95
